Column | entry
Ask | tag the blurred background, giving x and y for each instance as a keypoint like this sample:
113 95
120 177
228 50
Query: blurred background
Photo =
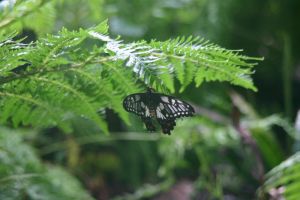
223 153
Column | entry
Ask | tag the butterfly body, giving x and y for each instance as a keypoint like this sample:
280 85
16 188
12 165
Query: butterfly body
164 108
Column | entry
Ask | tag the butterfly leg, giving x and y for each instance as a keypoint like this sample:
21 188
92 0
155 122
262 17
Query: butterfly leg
167 125
148 123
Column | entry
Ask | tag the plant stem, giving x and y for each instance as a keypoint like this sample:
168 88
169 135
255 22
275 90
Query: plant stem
286 75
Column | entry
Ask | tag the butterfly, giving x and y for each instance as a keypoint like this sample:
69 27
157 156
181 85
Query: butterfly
164 108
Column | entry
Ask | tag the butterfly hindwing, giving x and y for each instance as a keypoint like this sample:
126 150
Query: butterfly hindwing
167 125
148 123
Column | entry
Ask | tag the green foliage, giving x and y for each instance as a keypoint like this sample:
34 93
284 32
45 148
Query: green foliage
23 176
39 15
283 179
63 75
69 78
225 163
190 58
146 191
211 150
195 58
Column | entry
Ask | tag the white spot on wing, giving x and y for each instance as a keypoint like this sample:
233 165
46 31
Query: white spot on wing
159 114
171 108
137 97
161 106
182 107
175 109
147 112
165 99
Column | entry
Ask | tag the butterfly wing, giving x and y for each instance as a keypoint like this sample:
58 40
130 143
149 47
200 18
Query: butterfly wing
166 109
167 125
172 108
148 123
135 103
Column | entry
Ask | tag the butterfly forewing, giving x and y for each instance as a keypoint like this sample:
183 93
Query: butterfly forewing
135 103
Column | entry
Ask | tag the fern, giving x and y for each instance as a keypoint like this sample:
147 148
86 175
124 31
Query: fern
23 175
190 59
212 62
60 80
285 178
39 15
48 82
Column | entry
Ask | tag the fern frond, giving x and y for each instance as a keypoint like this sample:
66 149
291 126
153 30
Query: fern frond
86 109
61 80
46 92
24 174
60 75
24 112
139 57
285 176
22 9
10 47
191 59
104 92
208 62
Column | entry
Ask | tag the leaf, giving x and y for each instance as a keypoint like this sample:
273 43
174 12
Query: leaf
285 175
19 164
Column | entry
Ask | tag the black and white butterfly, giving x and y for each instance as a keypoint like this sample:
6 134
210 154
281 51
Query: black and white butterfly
164 108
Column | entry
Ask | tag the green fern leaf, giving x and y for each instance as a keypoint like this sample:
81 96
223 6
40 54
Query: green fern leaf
284 177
